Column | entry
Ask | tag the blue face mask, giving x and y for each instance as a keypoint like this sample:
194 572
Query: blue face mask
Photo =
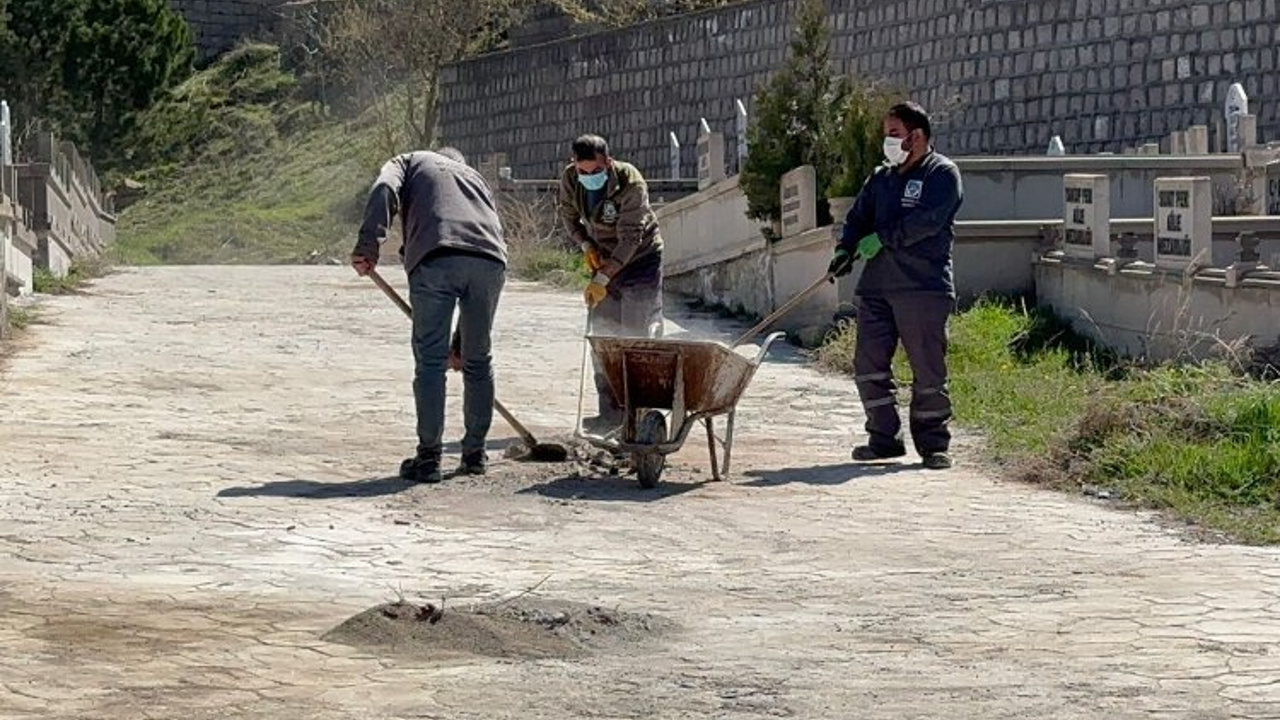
594 182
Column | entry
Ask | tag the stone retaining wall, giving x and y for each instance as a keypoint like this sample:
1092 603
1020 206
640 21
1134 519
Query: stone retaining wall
1003 76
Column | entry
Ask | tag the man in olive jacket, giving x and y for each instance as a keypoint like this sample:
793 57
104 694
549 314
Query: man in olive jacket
604 204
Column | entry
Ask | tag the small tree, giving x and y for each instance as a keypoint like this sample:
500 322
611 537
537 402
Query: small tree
31 59
792 114
857 131
121 58
392 52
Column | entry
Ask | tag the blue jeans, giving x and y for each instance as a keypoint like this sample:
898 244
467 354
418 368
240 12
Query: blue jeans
437 286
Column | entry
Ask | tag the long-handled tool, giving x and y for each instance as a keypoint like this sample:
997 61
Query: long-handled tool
786 308
542 452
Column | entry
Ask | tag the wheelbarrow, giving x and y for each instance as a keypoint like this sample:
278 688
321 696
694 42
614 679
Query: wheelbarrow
667 387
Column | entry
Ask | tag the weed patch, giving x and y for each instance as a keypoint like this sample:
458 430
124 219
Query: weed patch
82 270
1198 441
535 248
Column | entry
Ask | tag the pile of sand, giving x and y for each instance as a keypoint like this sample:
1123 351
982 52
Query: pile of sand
514 629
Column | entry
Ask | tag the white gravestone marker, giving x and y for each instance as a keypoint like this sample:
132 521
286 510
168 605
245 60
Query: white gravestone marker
675 157
1273 188
1087 216
799 201
1183 222
710 159
1237 104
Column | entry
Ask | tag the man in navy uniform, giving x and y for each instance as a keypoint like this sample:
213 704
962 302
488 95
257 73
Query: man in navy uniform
903 225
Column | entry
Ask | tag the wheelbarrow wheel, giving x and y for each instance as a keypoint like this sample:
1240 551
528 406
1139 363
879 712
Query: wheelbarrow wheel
651 430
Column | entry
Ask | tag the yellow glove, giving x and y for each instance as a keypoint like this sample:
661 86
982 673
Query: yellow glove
593 260
595 292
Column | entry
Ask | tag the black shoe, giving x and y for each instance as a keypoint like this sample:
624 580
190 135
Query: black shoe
421 469
476 463
867 453
936 461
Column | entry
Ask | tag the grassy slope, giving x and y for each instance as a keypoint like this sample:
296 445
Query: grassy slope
294 202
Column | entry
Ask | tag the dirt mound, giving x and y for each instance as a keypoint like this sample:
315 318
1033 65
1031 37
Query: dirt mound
517 629
580 453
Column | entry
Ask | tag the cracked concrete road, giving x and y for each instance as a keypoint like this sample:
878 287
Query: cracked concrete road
193 489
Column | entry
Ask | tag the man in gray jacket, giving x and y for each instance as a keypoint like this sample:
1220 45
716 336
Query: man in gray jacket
456 257
903 225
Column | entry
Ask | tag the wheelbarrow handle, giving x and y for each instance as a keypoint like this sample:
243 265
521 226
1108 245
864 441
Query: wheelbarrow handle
787 307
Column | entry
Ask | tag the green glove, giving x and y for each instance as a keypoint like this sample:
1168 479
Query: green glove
869 247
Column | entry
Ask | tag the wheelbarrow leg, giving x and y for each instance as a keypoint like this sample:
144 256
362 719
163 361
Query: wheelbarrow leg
728 441
711 444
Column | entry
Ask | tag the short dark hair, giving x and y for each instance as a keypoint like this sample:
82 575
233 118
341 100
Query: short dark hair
453 154
913 117
590 147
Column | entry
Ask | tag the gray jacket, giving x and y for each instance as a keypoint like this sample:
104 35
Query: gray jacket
914 214
445 206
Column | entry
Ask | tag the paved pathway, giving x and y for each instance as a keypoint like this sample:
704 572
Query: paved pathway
193 489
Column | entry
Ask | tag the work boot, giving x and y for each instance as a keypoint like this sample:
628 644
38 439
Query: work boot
936 461
476 463
867 453
421 469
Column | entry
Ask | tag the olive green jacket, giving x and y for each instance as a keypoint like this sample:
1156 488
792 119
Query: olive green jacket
623 226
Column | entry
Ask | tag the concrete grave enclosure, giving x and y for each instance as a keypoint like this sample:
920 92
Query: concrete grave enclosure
1163 277
52 211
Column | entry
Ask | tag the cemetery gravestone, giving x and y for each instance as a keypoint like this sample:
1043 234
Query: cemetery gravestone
799 201
1273 188
710 159
1198 140
1183 222
674 156
1248 131
1087 216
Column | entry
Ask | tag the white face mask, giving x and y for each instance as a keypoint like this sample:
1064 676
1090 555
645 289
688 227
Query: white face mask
893 151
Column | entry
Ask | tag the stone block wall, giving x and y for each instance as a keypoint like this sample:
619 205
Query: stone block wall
1002 76
219 24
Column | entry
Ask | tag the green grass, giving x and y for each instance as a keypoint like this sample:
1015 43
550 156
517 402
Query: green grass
243 171
21 318
1197 441
548 264
251 175
248 174
296 202
82 270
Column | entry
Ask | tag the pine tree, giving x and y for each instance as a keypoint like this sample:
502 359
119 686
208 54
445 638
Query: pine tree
790 117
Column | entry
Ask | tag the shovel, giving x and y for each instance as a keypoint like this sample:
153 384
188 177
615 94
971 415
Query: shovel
786 308
539 452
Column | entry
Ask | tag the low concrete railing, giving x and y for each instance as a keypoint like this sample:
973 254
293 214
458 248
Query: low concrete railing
1128 303
69 215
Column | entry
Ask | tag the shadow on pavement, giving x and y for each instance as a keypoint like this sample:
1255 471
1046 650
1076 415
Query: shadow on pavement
312 490
826 474
610 488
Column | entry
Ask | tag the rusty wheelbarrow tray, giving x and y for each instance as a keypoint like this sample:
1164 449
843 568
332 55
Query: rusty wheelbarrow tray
694 381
